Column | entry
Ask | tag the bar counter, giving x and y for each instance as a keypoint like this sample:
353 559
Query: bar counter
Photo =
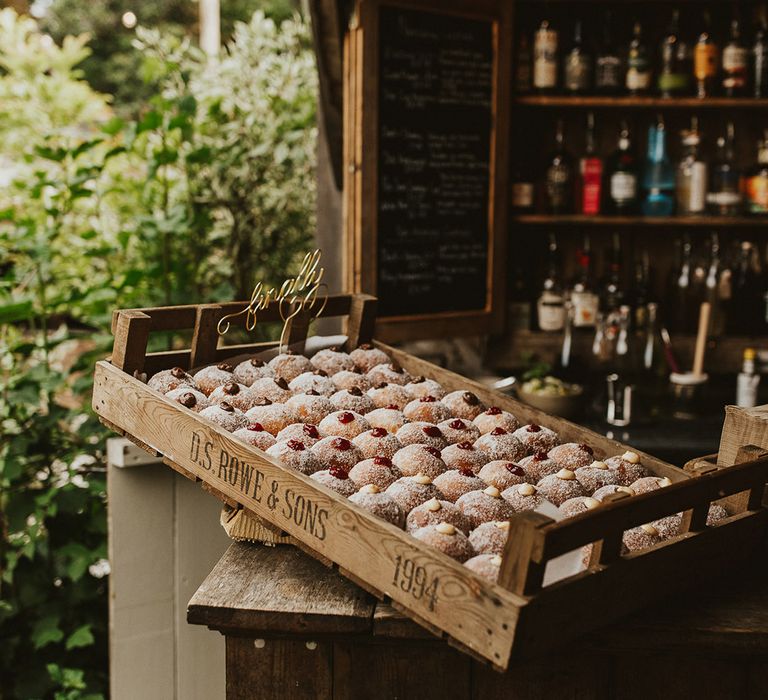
296 629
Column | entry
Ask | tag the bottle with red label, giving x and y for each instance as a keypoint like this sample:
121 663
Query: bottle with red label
756 181
590 189
735 64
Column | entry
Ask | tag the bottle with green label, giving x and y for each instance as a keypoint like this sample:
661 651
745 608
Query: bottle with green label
676 70
638 78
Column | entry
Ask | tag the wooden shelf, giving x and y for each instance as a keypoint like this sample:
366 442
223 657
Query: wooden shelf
627 102
640 221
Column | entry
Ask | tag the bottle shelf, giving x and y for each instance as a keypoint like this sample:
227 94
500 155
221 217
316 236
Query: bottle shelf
640 221
626 102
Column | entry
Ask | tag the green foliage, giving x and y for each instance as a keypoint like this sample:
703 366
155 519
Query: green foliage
210 188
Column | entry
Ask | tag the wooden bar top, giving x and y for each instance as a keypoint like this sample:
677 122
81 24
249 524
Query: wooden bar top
280 591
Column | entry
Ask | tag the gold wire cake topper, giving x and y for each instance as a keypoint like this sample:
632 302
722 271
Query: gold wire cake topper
296 295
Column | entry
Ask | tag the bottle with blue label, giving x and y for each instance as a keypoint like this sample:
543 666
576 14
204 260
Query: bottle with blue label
658 175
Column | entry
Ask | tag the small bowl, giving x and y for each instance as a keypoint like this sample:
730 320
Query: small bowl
566 406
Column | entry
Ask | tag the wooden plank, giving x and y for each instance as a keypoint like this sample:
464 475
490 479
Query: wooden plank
205 339
299 596
522 567
131 335
362 320
742 426
568 432
388 622
565 610
473 611
279 669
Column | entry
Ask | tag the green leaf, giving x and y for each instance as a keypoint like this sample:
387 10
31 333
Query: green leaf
16 311
46 631
113 126
150 121
81 637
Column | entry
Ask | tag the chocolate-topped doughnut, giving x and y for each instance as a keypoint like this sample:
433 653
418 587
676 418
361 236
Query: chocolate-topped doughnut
275 389
189 397
234 393
347 379
311 407
391 373
332 360
421 386
225 415
170 379
366 357
315 380
464 404
352 400
248 371
289 366
385 394
208 378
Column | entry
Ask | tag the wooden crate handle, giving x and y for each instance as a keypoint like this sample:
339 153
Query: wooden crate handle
131 330
522 565
361 323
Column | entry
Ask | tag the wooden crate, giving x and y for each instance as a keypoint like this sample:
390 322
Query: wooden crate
518 616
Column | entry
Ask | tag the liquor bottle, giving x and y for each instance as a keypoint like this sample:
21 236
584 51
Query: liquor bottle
640 292
559 177
747 381
756 181
712 288
724 196
583 297
551 302
674 75
590 174
735 64
523 189
680 310
621 178
577 71
638 78
658 175
760 60
608 65
545 58
691 174
612 290
706 58
746 308
523 70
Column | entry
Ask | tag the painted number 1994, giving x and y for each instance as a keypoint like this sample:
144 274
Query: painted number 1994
412 578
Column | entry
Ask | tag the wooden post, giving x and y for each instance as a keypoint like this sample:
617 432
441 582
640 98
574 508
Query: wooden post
742 426
362 320
608 550
522 570
205 339
131 336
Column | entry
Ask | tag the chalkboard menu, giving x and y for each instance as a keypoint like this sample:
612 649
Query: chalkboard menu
435 119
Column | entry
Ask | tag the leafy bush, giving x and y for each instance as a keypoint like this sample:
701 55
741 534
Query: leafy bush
209 189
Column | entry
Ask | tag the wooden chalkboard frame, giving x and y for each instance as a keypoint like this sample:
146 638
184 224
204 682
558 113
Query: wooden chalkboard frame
361 125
